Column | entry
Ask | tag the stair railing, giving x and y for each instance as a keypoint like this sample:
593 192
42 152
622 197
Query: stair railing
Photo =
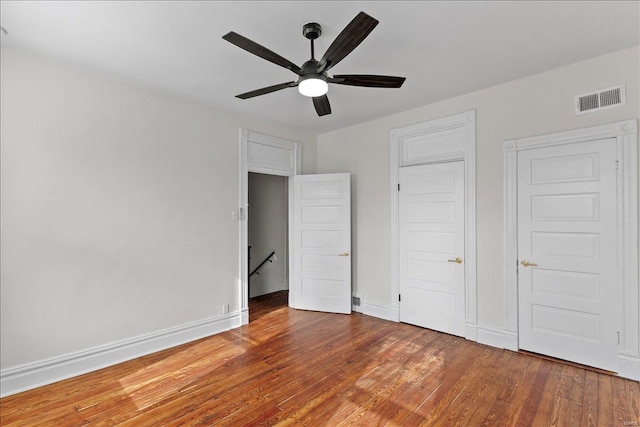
267 259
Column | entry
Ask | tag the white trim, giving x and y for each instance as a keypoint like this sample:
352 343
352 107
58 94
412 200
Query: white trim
612 130
244 316
626 135
470 219
497 338
269 166
510 230
382 312
629 367
243 225
28 376
467 122
628 191
394 181
471 331
291 214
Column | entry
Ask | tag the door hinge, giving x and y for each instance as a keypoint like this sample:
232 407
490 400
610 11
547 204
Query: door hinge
618 337
398 187
617 166
399 297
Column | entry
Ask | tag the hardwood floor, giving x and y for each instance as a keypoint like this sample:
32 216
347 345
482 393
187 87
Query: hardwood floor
295 368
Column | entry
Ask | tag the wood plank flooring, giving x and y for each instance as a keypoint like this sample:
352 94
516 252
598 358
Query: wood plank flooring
298 368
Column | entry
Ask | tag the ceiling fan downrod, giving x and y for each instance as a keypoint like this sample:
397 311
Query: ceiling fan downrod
312 31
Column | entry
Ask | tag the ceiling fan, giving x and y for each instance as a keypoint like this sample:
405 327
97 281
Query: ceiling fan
313 79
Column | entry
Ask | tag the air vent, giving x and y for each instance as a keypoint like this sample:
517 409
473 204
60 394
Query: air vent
356 303
601 100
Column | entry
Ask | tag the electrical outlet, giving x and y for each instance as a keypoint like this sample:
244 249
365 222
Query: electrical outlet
225 308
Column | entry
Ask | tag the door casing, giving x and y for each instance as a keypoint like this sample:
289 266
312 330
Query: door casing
270 155
451 138
626 135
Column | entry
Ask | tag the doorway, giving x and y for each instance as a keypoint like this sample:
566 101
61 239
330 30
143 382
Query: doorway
268 234
571 245
268 155
320 205
436 143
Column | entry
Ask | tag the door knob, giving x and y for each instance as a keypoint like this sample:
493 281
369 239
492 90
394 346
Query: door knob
457 260
526 263
344 254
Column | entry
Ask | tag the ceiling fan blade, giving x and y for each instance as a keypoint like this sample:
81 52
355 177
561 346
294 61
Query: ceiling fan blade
322 105
266 90
261 51
367 80
352 35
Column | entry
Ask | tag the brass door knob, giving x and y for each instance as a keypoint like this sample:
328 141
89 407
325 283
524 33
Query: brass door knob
526 263
344 254
457 260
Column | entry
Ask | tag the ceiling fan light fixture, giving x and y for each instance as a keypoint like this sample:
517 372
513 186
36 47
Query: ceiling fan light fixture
314 85
313 81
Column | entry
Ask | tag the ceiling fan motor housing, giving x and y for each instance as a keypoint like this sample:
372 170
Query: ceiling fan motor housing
311 67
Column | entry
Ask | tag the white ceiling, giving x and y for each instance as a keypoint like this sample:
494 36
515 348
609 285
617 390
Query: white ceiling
444 48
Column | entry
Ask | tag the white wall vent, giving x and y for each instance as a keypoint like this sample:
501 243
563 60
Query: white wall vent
602 99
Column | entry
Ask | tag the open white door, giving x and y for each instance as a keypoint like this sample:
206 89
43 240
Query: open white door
320 242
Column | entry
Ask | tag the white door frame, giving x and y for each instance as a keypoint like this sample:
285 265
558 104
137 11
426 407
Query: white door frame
270 155
411 145
626 135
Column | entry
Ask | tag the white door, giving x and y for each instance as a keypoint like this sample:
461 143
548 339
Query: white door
567 275
431 240
321 243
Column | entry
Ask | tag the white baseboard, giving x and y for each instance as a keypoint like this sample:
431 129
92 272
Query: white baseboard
471 331
28 376
382 312
629 367
497 338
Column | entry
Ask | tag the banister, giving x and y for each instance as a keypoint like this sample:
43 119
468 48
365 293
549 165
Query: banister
268 258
